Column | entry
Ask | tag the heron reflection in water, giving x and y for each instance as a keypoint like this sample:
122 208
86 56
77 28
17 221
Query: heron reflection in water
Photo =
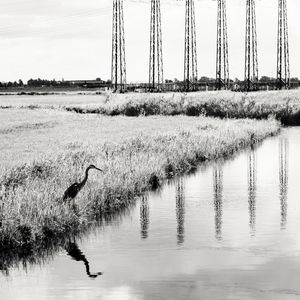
180 210
283 180
252 180
4 267
76 254
144 217
218 201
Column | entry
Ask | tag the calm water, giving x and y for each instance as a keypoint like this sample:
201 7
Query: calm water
229 231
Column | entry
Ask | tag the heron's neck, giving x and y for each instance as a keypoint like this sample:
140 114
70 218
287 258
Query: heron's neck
83 182
87 266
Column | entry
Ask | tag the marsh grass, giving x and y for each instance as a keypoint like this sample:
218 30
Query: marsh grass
31 210
282 105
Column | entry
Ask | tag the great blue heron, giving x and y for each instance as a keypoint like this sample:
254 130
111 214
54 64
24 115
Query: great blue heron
75 188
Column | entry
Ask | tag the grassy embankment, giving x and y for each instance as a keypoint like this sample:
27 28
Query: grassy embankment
283 105
137 154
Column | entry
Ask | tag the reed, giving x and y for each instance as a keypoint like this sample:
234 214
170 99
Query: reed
282 105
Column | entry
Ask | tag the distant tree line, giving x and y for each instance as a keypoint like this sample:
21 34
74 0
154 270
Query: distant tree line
11 84
39 83
208 80
266 79
47 83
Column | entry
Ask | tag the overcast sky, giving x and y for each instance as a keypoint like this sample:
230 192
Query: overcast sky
71 39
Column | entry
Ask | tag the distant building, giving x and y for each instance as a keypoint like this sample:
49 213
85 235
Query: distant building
98 83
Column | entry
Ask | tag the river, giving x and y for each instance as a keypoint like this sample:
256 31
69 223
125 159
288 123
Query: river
231 230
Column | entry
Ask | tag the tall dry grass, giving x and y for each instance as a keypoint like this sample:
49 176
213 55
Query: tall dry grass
282 105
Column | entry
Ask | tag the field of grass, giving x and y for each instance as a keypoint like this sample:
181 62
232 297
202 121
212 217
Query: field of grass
283 105
44 150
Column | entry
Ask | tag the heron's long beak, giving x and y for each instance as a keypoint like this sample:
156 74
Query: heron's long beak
99 169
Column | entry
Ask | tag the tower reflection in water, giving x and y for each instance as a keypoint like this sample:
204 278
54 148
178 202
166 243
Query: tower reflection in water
180 210
218 201
144 217
283 180
252 178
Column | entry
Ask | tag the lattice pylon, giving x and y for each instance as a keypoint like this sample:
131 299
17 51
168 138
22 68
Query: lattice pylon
222 64
190 51
251 60
118 68
283 62
156 78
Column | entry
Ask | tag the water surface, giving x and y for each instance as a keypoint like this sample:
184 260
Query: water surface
229 231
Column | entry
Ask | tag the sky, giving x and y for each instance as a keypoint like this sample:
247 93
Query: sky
71 39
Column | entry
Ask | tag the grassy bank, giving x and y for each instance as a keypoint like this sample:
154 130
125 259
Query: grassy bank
31 211
283 105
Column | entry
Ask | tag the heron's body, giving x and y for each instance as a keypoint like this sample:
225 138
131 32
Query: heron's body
75 188
72 191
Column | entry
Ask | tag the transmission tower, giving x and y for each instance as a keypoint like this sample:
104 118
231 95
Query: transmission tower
283 62
222 69
156 56
190 52
118 69
251 63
